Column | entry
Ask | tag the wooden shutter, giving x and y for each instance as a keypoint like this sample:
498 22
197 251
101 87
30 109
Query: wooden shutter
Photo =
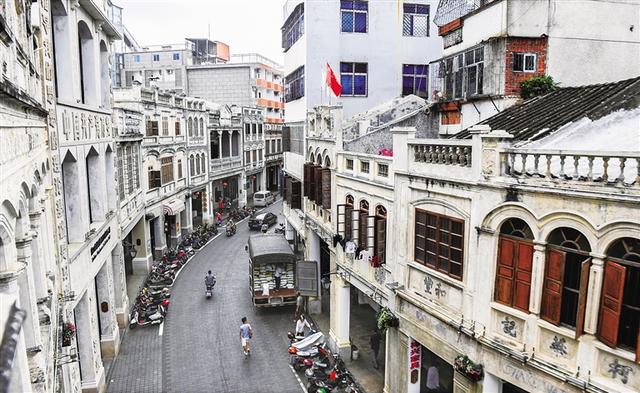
285 191
552 287
348 222
307 180
340 211
505 271
307 277
522 280
381 239
318 189
312 182
582 299
296 194
326 188
355 214
362 229
611 303
371 234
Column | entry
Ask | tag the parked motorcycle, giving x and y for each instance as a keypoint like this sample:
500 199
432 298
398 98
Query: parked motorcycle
280 229
145 317
209 284
230 231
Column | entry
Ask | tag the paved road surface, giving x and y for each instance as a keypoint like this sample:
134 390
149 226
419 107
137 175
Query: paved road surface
201 349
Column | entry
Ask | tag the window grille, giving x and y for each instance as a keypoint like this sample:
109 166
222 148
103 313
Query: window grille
414 79
415 21
166 170
354 16
294 85
293 28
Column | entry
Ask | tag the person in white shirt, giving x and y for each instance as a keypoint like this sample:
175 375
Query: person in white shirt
278 276
300 325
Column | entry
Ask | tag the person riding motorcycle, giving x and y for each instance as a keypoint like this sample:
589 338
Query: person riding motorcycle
231 226
209 280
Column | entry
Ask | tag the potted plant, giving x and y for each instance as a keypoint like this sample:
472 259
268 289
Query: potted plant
465 366
386 319
68 331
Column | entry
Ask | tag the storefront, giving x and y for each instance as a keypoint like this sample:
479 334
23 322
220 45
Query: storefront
428 373
199 206
227 189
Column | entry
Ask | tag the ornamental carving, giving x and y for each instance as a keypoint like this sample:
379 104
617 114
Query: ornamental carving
509 327
559 346
619 370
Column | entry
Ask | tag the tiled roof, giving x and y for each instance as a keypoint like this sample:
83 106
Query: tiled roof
541 116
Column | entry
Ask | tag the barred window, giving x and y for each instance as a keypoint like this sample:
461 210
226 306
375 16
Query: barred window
178 127
165 126
136 172
293 28
166 170
349 164
129 170
414 79
415 21
364 166
354 16
294 85
180 169
152 128
120 165
383 170
473 70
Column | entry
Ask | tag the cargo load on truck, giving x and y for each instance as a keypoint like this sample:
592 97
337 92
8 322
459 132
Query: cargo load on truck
267 252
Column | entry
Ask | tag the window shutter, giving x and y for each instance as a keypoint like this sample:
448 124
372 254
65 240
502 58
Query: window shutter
381 239
611 303
307 180
296 194
326 188
362 229
371 234
582 299
348 222
312 182
318 189
285 192
524 260
505 271
355 214
552 287
307 278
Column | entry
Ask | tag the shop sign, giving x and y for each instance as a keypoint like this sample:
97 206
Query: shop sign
415 360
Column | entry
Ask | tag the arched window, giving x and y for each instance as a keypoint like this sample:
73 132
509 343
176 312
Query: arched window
192 166
201 127
87 57
197 164
105 91
514 266
346 218
564 292
349 200
203 163
96 188
110 177
76 223
619 317
380 240
190 126
363 232
64 67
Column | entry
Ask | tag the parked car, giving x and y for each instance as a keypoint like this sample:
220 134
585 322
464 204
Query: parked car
264 218
263 198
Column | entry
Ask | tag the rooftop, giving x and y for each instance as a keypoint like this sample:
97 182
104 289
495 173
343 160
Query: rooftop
541 116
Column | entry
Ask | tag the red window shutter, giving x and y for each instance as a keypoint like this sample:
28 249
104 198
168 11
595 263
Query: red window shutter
552 287
524 263
611 303
326 188
296 194
318 180
307 179
505 271
362 229
348 222
381 239
582 299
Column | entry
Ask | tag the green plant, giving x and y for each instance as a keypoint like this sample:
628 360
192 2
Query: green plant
68 331
468 368
537 86
386 319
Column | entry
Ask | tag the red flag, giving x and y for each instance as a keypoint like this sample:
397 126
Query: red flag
332 82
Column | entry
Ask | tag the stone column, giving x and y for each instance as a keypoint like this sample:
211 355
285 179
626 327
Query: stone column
219 144
28 301
159 236
339 316
105 299
37 256
537 276
230 143
596 278
120 297
9 293
175 231
186 217
84 340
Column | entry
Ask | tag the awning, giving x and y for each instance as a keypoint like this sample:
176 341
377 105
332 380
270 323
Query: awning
174 207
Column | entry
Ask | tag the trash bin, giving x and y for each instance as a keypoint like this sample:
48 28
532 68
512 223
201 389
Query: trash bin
354 352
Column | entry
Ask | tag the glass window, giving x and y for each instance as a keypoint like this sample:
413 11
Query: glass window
414 79
176 56
354 16
524 62
136 58
383 170
353 77
156 57
443 237
166 169
415 21
364 166
294 85
293 28
349 164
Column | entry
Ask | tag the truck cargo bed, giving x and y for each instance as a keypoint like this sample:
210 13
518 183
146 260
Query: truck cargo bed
278 297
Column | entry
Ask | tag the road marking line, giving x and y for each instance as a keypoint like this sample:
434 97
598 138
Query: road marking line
295 374
161 330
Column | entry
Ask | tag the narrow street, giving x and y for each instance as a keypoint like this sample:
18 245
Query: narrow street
199 341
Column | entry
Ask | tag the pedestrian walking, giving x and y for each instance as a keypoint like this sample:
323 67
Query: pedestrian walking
219 218
246 333
301 323
299 305
374 342
277 275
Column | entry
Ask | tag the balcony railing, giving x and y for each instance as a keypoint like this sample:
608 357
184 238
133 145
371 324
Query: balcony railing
458 154
584 166
225 164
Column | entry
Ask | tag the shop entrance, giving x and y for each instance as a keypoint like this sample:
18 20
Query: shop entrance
196 208
436 375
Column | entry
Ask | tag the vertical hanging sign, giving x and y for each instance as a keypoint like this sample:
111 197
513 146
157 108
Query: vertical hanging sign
415 362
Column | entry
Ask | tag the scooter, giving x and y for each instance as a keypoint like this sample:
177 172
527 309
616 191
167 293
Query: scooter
230 231
209 291
144 320
280 229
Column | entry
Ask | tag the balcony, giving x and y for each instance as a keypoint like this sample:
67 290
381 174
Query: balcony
219 166
163 140
198 179
438 157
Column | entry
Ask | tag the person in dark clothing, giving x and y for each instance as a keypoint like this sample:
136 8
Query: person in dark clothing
374 342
